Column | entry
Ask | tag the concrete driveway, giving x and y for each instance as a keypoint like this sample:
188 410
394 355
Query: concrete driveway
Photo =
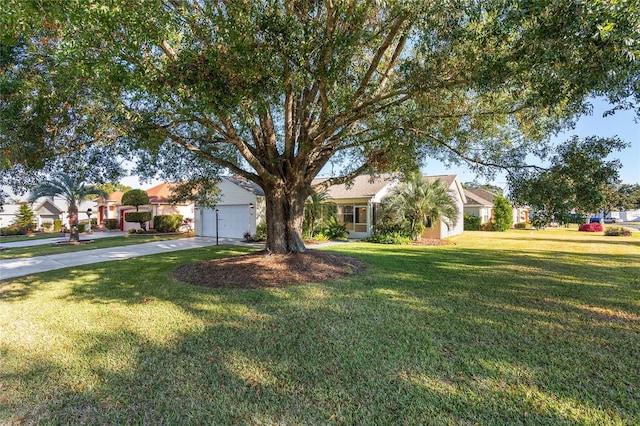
11 268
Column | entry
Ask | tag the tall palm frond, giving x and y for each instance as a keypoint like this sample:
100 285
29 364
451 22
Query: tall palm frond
72 189
416 201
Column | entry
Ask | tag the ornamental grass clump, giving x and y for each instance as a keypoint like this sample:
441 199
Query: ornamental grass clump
591 227
617 231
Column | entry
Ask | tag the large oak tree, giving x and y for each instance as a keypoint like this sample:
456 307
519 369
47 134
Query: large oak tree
276 90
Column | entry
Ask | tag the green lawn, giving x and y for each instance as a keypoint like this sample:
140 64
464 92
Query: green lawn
49 249
522 327
36 236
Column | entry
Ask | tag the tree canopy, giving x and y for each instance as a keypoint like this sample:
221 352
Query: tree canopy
276 90
577 179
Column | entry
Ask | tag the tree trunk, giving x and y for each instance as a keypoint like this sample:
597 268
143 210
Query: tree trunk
285 214
74 235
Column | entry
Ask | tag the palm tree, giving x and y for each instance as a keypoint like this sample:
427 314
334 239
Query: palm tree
416 201
73 190
314 210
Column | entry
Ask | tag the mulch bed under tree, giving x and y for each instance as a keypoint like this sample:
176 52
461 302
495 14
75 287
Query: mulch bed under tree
265 270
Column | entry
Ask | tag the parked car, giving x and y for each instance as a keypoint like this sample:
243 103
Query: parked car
612 220
595 220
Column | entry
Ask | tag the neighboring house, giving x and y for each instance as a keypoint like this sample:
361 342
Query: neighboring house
480 203
47 209
359 202
479 206
240 208
159 204
108 208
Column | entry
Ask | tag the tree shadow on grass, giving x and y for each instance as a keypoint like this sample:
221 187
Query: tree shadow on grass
425 336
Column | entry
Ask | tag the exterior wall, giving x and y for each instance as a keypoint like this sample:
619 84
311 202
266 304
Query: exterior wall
361 210
627 216
247 208
458 227
484 213
520 215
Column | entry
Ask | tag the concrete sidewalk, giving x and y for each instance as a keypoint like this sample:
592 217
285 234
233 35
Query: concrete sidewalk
61 238
11 268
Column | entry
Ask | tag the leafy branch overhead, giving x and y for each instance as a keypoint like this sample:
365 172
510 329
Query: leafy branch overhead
277 91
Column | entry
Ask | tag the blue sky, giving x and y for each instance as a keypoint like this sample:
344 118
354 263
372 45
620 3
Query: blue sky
620 124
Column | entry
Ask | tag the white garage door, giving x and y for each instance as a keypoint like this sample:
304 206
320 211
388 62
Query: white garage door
233 221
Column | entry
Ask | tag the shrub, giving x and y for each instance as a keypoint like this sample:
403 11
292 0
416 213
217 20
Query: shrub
333 229
141 231
140 217
261 232
82 227
12 230
488 226
47 225
397 238
167 223
111 224
320 237
590 227
617 231
131 231
502 214
471 222
521 225
57 225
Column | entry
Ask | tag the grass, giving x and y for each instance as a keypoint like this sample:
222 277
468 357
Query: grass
36 236
522 327
49 249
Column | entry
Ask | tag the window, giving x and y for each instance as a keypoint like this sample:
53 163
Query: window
355 217
345 215
360 219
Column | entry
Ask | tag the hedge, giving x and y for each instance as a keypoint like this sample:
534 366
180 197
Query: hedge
167 223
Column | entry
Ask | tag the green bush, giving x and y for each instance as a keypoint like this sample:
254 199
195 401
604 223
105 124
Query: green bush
139 217
111 223
9 231
617 231
320 237
397 238
332 229
521 225
46 225
487 226
502 214
167 223
472 223
261 232
131 231
82 227
57 225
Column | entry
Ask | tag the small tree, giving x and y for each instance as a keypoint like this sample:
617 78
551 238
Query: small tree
137 198
26 218
73 190
502 214
416 201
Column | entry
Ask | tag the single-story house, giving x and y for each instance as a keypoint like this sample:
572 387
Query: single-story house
358 204
480 203
47 209
159 204
240 208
